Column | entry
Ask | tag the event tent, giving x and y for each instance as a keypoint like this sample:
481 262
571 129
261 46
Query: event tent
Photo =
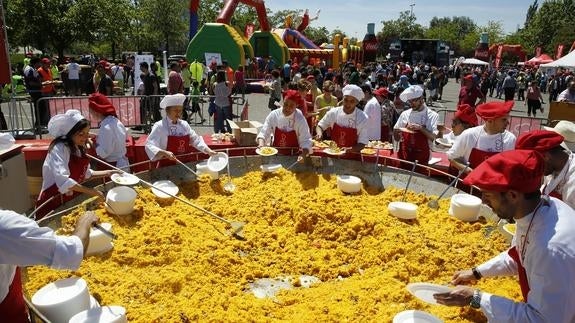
541 59
474 61
565 61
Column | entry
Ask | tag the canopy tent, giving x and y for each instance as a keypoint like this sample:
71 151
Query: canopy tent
541 59
565 61
474 61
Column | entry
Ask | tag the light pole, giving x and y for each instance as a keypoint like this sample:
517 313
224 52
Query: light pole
412 5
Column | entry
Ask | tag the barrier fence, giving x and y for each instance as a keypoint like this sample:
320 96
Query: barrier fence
133 111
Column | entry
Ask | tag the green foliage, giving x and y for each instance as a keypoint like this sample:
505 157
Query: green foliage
164 23
402 27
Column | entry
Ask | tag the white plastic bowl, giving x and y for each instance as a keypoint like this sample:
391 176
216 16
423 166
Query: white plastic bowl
62 299
465 207
203 169
348 183
403 210
270 168
104 314
120 200
99 242
167 186
218 162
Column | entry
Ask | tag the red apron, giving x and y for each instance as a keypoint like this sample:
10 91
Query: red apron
385 133
477 157
523 283
13 308
179 145
285 138
343 136
414 147
78 167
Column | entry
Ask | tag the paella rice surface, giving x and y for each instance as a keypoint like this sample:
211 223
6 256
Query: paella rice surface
172 263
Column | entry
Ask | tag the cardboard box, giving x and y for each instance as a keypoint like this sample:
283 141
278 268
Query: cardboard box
245 132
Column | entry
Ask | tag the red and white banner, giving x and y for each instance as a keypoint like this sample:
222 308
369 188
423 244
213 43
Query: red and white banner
538 51
127 108
250 28
5 73
559 51
498 56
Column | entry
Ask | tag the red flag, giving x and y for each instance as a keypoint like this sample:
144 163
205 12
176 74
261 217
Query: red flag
244 114
559 52
498 56
5 73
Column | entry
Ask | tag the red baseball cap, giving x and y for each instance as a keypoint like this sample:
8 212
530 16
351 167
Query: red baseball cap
466 113
382 91
517 170
292 95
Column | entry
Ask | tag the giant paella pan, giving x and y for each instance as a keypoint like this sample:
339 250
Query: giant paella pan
309 251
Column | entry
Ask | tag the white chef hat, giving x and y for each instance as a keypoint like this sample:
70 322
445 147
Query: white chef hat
353 90
60 124
412 92
567 130
172 100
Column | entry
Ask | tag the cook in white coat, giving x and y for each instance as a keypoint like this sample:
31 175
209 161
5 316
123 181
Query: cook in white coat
173 136
372 109
24 243
542 254
288 127
559 163
112 136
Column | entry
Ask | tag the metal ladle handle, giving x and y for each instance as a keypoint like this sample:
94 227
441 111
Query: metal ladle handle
452 182
409 180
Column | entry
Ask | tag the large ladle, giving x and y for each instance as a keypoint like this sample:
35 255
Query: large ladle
409 181
236 228
186 167
434 204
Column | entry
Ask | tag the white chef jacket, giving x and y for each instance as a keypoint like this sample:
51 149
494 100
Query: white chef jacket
476 137
111 141
426 117
24 243
158 138
563 182
357 120
549 264
295 121
55 169
373 111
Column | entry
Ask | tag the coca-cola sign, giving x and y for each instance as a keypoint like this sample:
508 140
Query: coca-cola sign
370 46
482 53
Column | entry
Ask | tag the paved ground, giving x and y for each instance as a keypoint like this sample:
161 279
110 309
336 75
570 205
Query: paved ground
258 108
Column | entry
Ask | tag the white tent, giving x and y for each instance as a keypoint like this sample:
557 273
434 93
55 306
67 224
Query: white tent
565 61
474 61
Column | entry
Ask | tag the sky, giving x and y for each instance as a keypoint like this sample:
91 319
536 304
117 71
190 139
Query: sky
352 16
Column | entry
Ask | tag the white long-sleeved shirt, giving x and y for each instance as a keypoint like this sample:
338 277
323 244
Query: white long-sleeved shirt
24 243
426 117
549 264
373 111
55 169
111 141
563 182
295 121
476 137
357 120
158 138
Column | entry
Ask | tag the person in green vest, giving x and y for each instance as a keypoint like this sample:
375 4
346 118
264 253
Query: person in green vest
197 71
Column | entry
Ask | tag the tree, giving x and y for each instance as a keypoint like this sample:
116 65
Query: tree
164 21
531 11
403 27
452 30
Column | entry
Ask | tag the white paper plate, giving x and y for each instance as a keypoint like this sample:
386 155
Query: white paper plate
425 291
433 160
334 153
218 162
413 316
166 186
125 179
444 142
273 151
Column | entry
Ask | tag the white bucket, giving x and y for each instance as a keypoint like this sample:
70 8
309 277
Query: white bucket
62 299
465 207
104 314
99 241
121 200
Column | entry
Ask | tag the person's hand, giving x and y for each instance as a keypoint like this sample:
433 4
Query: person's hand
463 277
301 157
112 172
459 296
414 127
83 226
211 152
166 154
98 194
318 136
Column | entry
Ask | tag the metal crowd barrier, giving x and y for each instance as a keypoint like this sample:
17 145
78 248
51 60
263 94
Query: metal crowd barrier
136 111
